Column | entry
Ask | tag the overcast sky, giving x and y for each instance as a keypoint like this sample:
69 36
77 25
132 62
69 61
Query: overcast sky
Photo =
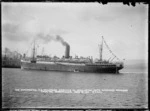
124 28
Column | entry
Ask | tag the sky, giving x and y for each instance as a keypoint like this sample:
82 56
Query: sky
81 25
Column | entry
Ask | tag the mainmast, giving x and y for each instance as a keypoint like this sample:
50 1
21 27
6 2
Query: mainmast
33 58
34 51
42 51
101 49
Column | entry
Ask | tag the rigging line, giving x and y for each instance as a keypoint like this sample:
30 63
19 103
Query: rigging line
109 48
29 48
112 59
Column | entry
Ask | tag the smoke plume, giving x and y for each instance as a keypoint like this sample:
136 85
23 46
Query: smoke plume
60 39
49 38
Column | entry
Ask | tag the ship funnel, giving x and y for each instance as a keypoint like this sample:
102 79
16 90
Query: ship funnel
67 51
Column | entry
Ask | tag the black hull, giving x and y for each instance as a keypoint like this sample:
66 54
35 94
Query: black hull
11 64
71 68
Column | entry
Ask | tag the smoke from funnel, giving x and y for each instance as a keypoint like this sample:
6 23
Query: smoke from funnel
49 38
64 43
45 39
57 38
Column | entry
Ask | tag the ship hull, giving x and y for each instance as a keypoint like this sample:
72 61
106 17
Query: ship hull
71 68
11 63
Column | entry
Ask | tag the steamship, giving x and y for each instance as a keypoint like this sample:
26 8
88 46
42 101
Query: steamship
69 64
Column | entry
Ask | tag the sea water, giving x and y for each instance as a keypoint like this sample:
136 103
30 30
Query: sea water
50 89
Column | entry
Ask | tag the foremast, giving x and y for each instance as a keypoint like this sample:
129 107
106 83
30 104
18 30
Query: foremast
33 60
101 49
